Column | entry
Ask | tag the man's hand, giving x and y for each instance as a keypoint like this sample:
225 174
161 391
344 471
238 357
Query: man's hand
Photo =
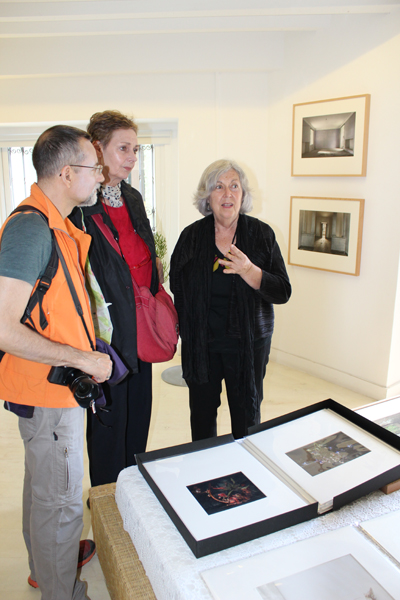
98 365
21 341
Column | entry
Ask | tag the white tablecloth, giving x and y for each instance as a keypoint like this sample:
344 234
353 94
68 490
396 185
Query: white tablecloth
173 570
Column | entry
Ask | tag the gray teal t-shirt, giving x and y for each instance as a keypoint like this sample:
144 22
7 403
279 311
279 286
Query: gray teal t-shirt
25 248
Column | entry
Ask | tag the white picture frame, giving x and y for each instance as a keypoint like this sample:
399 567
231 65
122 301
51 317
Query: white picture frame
382 531
277 442
244 578
186 479
381 411
330 137
326 233
173 475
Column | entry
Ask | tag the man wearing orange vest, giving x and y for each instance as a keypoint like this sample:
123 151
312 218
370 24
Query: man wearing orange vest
52 430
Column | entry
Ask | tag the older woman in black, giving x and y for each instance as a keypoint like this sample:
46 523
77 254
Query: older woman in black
227 271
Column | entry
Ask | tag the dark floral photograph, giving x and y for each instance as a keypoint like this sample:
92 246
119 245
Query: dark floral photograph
225 492
327 453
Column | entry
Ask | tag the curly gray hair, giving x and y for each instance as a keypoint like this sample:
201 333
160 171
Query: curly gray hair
208 182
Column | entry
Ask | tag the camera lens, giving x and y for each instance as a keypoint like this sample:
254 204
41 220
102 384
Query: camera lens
84 389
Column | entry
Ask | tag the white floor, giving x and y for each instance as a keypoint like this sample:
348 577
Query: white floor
284 390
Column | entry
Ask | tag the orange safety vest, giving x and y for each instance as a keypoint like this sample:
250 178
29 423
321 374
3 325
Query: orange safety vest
24 381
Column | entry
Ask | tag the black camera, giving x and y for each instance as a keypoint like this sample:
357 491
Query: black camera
82 386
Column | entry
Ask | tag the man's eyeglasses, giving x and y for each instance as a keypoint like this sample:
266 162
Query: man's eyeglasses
97 168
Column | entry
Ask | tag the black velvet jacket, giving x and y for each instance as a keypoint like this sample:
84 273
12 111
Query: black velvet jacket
112 272
251 313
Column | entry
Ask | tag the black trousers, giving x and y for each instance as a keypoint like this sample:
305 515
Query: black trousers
112 449
205 399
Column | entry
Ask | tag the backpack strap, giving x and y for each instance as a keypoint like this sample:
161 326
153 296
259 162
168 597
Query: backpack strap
45 280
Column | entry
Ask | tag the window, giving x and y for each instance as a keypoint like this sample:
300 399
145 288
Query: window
143 179
22 175
156 175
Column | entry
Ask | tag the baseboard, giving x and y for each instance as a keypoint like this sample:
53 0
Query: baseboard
366 388
393 390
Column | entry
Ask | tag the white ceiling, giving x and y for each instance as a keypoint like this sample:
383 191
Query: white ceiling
61 38
66 18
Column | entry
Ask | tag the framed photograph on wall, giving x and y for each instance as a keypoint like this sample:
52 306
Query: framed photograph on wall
330 137
326 233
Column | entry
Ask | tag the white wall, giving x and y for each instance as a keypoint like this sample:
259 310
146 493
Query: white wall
337 326
232 95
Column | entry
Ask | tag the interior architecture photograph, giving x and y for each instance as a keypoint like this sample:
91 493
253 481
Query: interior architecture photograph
324 232
329 135
200 320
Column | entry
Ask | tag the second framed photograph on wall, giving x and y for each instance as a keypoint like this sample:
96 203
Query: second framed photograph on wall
330 137
326 233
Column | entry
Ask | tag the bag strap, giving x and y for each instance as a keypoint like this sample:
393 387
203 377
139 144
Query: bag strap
106 231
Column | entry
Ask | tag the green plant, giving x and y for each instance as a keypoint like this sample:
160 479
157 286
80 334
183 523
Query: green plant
161 251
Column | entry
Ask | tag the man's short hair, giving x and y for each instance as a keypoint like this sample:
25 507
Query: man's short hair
57 147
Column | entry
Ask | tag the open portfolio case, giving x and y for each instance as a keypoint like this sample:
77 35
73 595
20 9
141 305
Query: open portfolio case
220 492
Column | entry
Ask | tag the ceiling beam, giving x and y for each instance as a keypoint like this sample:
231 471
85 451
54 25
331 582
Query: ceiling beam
203 14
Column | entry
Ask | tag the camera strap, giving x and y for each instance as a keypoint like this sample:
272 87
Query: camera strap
74 295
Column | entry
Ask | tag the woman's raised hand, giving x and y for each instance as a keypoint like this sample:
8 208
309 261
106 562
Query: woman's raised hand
236 262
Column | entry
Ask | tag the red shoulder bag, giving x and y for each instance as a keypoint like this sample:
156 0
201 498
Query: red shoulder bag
156 317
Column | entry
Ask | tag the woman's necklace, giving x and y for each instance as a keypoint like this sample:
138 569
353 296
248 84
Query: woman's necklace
223 237
216 263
